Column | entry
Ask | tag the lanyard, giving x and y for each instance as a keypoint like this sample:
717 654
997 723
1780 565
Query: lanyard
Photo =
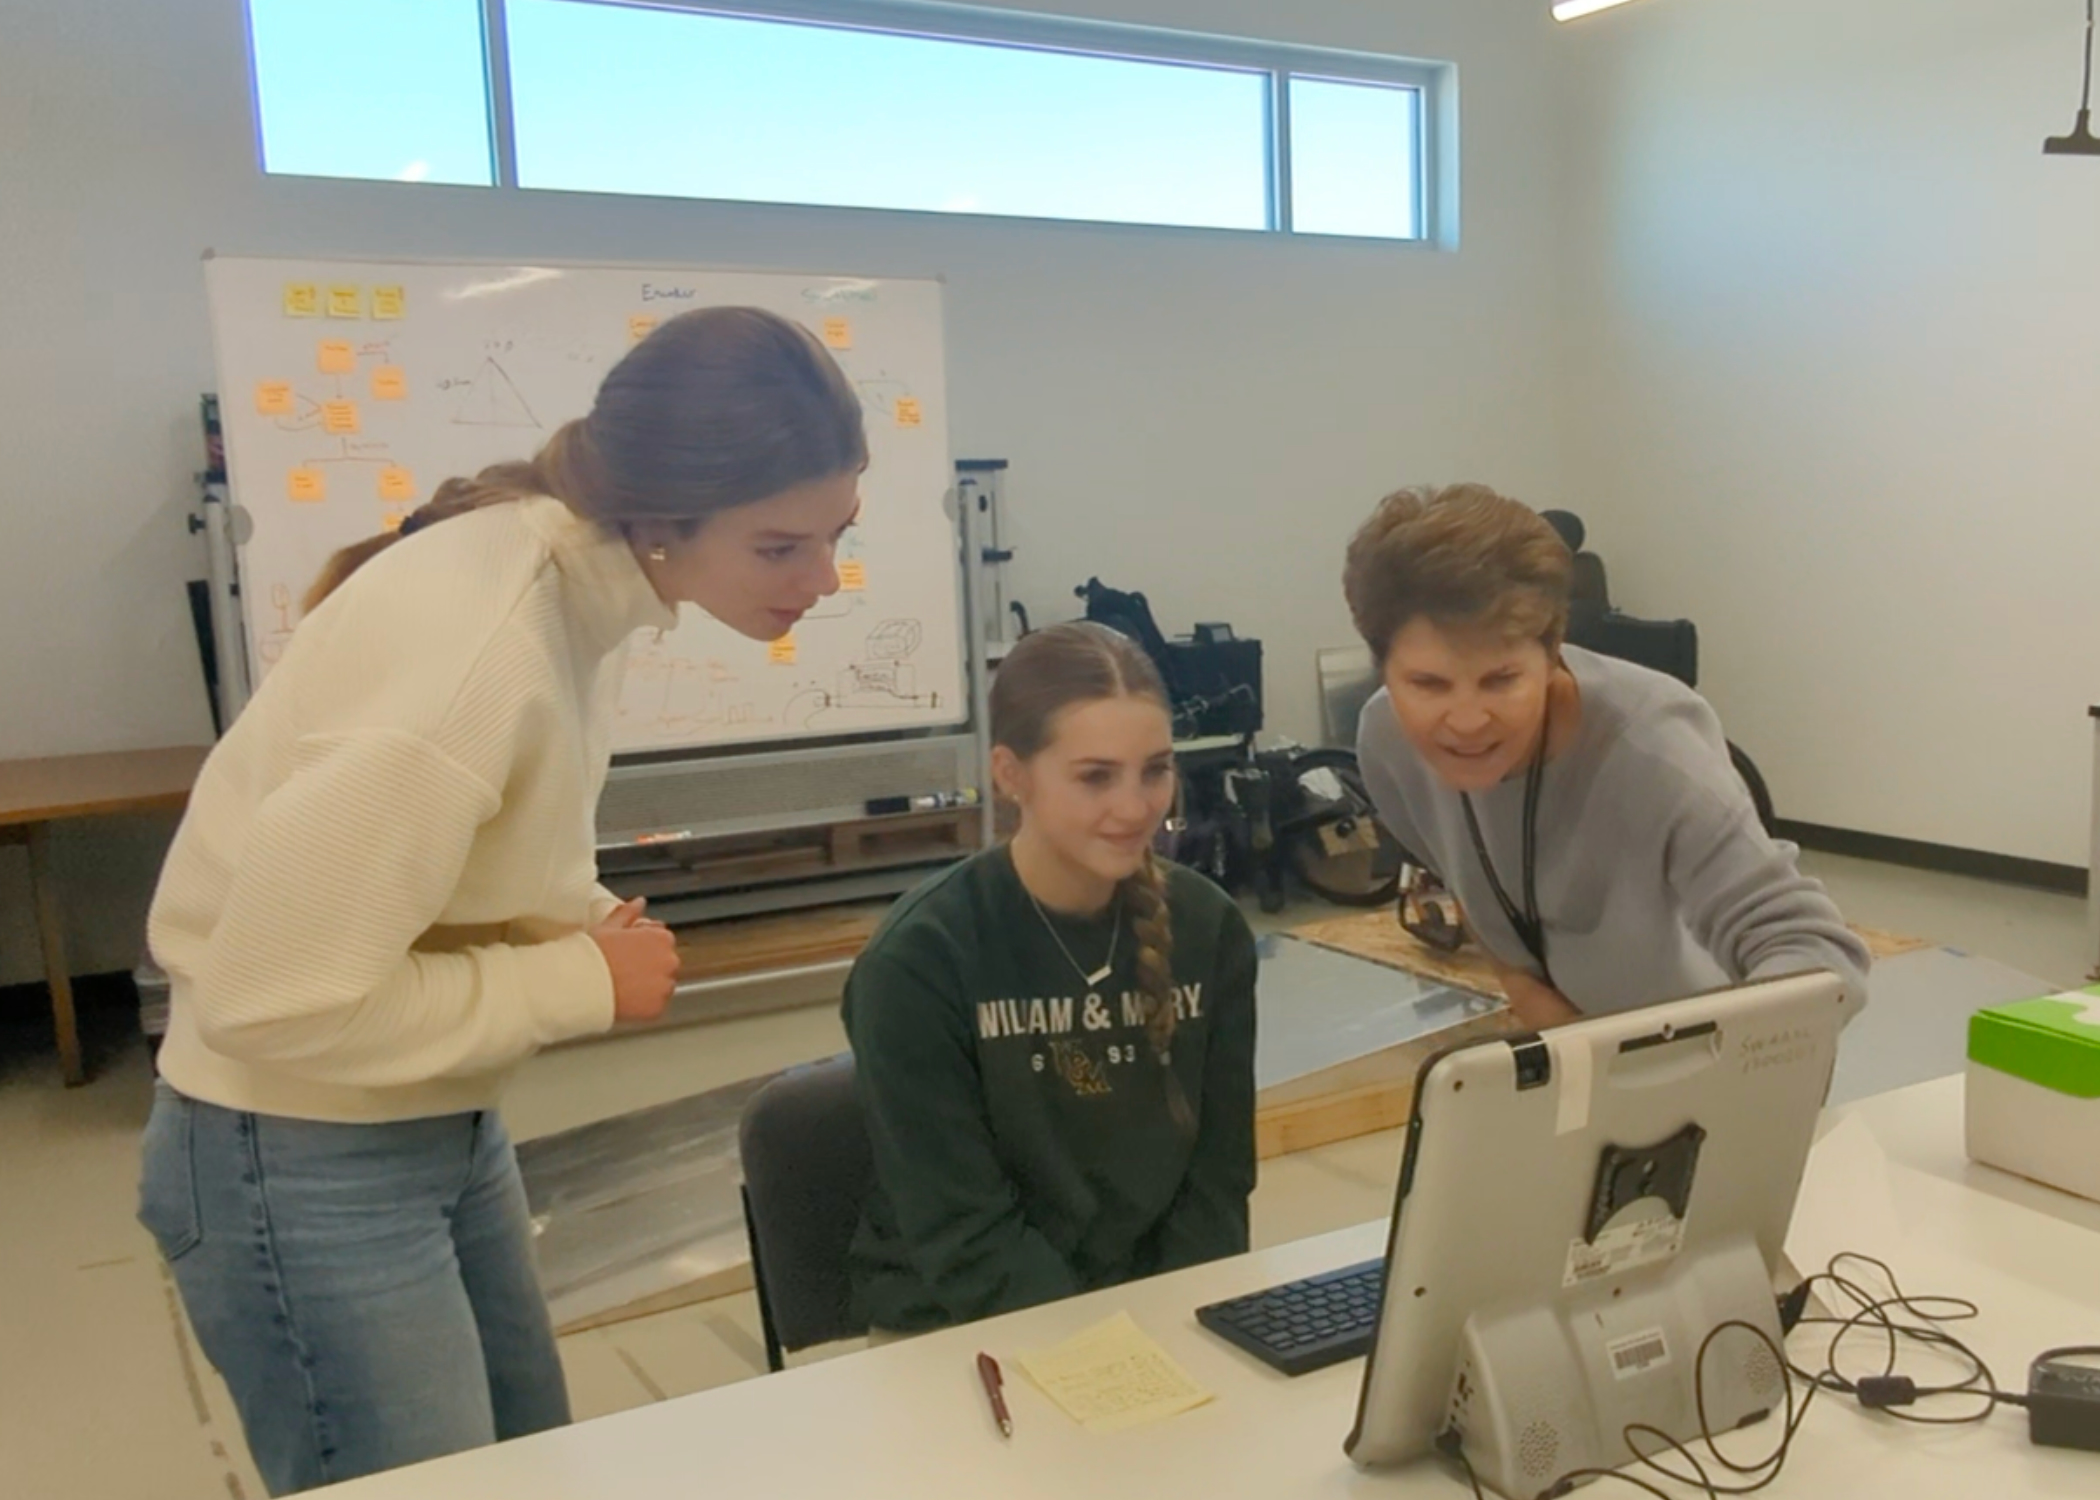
1530 927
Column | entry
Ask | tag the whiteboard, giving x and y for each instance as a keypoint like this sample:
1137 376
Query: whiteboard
348 390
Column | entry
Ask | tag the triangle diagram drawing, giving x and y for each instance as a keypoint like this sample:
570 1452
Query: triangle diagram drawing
492 400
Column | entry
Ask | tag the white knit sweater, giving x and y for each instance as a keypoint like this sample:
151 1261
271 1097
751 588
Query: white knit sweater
377 904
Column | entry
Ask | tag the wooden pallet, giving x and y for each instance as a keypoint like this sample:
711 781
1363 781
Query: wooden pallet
757 945
726 1282
1378 935
1376 1092
1361 1097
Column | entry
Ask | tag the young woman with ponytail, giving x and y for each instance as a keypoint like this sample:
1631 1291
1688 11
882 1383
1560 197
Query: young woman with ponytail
1055 1039
384 898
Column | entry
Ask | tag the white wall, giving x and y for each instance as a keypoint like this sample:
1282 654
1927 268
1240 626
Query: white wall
1199 416
1833 320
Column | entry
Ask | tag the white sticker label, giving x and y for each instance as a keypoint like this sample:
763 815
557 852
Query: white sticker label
1624 1248
1638 1353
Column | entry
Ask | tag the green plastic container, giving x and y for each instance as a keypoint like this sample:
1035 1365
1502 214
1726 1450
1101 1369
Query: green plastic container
2034 1090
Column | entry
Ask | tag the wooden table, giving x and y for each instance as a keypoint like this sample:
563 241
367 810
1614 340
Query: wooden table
34 794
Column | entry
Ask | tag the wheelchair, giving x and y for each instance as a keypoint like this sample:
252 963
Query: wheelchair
1667 646
1249 817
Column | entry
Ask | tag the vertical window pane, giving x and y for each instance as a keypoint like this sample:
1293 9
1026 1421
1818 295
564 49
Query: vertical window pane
372 88
613 99
1355 151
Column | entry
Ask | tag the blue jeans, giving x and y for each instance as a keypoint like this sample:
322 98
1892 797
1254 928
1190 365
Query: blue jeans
367 1291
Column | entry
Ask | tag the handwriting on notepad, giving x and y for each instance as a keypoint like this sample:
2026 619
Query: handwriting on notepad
1114 1376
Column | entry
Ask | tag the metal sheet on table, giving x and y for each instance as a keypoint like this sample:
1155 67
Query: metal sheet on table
1321 1007
640 1204
1916 1024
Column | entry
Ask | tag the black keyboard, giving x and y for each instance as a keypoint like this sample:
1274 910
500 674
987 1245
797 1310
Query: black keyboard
1306 1325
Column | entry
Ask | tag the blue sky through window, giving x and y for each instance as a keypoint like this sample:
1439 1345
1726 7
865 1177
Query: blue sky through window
373 88
637 100
1353 159
645 101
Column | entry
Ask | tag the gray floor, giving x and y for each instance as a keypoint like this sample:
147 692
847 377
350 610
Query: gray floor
102 1396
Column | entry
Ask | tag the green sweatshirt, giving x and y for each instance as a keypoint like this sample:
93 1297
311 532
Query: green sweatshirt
1025 1149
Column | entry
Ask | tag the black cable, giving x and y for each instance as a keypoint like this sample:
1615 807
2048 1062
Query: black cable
1897 1318
1887 1391
1761 1473
1453 1446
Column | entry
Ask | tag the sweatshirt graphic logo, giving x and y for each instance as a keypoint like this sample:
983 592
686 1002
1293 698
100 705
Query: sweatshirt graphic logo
1076 1066
997 1019
1058 1033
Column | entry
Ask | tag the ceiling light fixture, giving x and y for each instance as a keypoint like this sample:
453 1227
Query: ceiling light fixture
1573 10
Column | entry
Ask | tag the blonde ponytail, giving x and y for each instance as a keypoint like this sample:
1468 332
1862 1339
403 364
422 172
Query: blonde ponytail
1152 923
1145 899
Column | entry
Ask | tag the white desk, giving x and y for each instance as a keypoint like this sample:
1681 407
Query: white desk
909 1420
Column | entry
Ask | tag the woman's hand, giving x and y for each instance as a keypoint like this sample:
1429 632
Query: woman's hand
643 958
1533 1001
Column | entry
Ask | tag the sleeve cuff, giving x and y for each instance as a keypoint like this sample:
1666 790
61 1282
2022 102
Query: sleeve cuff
568 989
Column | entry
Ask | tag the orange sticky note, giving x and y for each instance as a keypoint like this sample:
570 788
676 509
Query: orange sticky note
273 398
640 326
302 299
853 575
389 302
339 418
909 413
838 333
337 357
307 485
396 483
782 652
346 300
389 383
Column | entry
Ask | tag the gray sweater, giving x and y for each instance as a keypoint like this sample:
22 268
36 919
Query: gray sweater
1655 879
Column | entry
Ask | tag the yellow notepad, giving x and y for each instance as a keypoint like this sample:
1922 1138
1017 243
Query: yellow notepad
1113 1376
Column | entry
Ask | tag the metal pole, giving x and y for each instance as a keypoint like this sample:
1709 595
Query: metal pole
966 494
229 628
2092 879
503 134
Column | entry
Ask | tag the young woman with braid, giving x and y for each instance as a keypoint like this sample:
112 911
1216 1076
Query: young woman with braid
1055 1039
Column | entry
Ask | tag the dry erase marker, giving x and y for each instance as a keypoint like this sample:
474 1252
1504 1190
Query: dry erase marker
925 802
988 1372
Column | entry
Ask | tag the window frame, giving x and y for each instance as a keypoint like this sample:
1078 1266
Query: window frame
1435 176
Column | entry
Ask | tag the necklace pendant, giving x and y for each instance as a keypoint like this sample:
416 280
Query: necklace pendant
1100 974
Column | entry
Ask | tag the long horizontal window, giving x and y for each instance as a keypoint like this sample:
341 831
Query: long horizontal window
883 105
